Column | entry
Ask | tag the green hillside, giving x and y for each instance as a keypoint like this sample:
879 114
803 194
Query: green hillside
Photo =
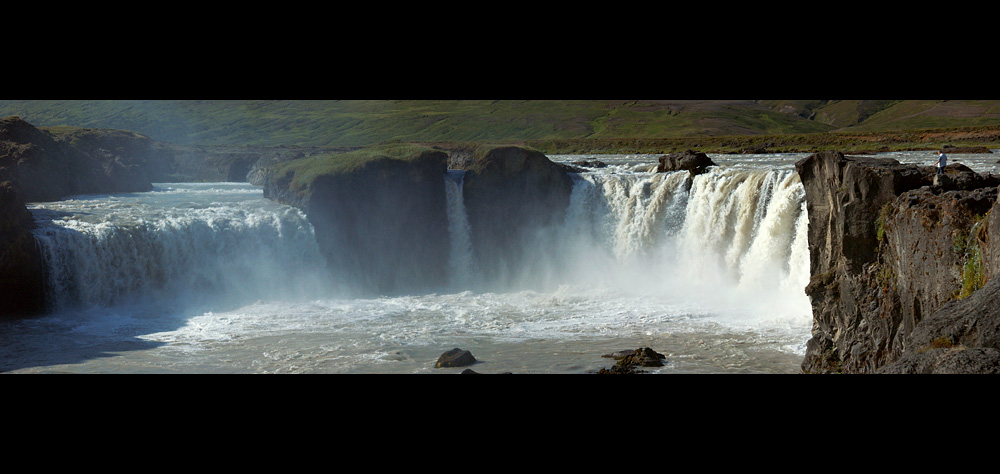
367 122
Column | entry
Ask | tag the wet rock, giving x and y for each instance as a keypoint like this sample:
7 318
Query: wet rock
590 163
455 358
629 361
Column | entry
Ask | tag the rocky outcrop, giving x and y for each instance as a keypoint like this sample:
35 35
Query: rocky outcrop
694 162
962 337
21 278
379 215
888 248
50 165
513 197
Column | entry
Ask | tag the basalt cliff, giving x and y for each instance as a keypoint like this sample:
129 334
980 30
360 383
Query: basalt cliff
900 264
380 215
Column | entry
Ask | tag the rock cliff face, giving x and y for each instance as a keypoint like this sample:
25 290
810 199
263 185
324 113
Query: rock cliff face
51 166
21 279
382 221
512 196
889 246
381 224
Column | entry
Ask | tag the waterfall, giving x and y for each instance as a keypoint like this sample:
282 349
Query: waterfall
740 224
730 236
460 261
125 250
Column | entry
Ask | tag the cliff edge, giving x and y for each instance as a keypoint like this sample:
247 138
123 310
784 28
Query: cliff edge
890 246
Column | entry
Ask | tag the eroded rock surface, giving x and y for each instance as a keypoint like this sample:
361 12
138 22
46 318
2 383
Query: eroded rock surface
888 249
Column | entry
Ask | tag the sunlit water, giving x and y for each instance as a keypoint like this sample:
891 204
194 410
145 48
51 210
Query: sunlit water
214 278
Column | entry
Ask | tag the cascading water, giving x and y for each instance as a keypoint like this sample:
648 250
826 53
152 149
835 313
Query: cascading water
162 246
211 278
734 239
461 264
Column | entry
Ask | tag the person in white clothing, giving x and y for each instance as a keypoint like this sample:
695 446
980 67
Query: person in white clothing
941 162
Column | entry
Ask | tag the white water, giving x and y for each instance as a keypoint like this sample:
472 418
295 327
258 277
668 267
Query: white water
215 278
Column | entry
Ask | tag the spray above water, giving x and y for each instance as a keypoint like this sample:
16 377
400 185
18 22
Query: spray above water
731 240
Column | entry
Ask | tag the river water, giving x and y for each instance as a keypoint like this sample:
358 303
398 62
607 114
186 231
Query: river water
214 278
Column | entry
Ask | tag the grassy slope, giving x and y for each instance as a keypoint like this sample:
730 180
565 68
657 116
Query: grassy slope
303 172
596 122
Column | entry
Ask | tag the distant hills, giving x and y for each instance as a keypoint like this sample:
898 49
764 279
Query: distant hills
349 123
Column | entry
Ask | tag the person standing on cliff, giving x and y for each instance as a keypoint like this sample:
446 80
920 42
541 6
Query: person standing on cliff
941 162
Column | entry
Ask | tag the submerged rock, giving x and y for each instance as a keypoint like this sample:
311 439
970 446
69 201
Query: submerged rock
455 358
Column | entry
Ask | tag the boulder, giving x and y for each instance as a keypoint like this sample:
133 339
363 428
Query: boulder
691 161
630 360
455 358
